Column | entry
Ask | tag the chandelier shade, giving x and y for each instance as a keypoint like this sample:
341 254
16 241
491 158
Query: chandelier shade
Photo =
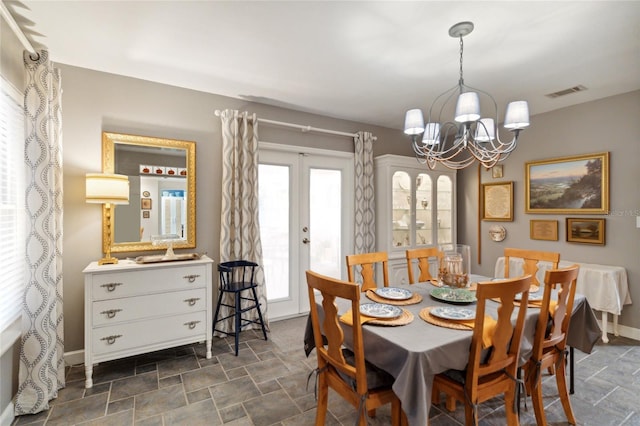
470 136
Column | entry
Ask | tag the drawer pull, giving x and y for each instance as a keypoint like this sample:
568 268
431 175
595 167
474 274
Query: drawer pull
111 312
110 286
192 301
111 339
191 324
191 278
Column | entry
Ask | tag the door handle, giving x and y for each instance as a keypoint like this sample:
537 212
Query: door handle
305 240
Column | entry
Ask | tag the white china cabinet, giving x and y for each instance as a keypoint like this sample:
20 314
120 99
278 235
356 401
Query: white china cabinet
415 207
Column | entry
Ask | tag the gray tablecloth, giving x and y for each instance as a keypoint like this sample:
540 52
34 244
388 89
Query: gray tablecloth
416 352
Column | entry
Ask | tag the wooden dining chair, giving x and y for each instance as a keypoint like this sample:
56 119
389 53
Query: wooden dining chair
366 263
362 384
421 257
531 259
484 379
550 342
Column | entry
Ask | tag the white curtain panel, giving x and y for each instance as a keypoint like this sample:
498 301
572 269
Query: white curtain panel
41 371
365 224
239 227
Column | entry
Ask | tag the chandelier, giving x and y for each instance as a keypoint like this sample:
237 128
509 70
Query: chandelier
457 144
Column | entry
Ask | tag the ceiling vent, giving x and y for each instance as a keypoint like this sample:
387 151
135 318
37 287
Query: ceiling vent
568 91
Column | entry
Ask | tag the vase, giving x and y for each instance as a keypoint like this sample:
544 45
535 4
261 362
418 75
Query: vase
455 265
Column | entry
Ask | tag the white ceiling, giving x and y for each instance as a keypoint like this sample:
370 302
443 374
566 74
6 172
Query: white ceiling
367 61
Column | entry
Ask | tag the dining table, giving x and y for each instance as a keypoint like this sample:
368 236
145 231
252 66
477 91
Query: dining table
415 352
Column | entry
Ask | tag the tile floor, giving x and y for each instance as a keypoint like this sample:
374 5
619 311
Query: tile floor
267 385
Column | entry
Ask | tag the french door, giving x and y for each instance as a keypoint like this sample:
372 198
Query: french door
306 220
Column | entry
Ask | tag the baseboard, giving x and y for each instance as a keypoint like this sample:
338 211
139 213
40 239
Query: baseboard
74 358
624 331
7 416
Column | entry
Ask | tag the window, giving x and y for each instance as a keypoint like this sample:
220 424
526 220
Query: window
12 206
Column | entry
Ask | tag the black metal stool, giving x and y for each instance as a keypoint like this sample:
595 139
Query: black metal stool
235 277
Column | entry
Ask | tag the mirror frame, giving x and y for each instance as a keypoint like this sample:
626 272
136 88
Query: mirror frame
108 166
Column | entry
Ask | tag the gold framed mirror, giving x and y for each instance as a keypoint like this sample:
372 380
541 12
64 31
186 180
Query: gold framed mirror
162 199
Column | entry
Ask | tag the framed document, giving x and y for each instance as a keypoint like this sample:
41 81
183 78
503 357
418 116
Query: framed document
497 201
543 230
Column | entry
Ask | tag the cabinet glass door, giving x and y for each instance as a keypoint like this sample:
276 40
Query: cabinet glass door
423 209
445 209
401 199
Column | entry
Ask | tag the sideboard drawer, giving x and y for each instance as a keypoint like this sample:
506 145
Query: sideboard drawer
132 283
114 311
124 337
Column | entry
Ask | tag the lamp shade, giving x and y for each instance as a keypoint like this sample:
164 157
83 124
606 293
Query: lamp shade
107 188
431 134
517 115
413 122
468 107
485 130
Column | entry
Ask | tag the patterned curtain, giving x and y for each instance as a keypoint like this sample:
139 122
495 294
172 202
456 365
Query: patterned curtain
239 227
41 371
365 223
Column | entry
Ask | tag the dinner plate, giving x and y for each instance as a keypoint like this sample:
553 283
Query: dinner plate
380 310
453 313
394 293
453 295
535 297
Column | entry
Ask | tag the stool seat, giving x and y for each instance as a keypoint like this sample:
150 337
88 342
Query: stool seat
238 278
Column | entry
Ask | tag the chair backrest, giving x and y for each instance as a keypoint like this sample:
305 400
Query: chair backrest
506 336
422 255
329 352
551 331
367 263
531 259
236 271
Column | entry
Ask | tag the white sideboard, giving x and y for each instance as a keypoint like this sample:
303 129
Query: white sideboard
605 287
135 308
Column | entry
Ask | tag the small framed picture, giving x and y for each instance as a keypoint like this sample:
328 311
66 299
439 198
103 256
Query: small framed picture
145 203
543 230
146 214
586 231
497 171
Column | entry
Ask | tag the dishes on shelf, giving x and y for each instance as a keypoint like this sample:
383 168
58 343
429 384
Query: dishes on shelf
453 313
453 295
394 293
380 310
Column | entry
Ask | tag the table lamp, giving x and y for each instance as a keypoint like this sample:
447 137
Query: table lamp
107 189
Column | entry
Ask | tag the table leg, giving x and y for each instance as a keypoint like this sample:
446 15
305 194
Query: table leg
571 370
615 325
605 339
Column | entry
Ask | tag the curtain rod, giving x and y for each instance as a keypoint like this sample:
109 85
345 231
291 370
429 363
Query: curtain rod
304 129
18 32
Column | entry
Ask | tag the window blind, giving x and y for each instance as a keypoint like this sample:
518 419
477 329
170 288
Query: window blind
12 204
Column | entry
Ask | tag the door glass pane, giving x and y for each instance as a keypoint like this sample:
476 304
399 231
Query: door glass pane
325 228
273 195
424 236
445 212
401 199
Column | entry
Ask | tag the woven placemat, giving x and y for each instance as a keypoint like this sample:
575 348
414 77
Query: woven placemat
472 286
404 319
426 315
415 298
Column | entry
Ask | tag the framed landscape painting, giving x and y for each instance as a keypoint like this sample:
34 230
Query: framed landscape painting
568 185
586 231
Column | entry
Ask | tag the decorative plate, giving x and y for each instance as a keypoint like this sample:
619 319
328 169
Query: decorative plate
497 233
394 293
453 295
146 194
453 313
380 310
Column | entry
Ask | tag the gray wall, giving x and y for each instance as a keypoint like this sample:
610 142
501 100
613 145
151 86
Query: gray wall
611 124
